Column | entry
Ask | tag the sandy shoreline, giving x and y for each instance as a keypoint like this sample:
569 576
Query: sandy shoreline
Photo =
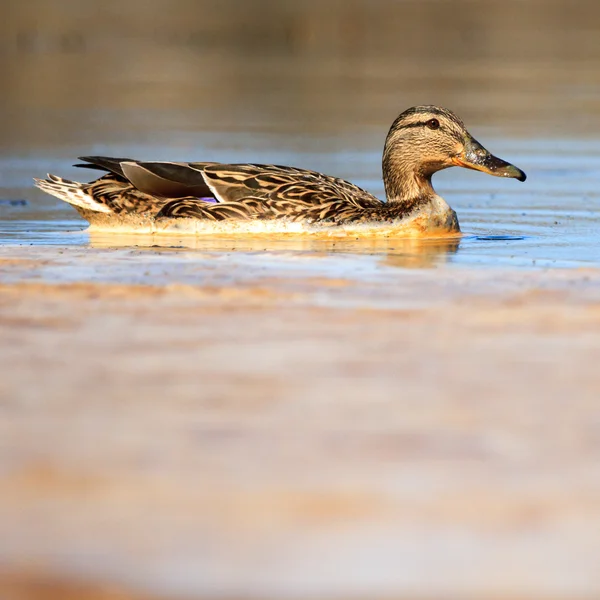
190 424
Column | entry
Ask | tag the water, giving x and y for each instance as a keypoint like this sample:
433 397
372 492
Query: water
548 221
315 86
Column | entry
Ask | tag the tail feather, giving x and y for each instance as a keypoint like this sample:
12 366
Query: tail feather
71 192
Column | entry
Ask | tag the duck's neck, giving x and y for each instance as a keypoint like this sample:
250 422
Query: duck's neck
405 185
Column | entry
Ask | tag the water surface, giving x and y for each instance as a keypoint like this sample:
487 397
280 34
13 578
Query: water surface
313 85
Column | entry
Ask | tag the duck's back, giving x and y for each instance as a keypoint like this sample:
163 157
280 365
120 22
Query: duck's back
214 191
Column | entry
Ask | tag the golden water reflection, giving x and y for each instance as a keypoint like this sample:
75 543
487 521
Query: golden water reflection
399 252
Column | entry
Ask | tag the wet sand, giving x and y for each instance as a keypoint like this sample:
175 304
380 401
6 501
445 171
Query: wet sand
199 425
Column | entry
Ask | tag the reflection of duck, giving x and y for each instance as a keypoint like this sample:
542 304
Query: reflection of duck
374 245
415 253
407 252
421 141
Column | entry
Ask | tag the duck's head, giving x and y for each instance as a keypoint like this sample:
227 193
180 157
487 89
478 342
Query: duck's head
426 139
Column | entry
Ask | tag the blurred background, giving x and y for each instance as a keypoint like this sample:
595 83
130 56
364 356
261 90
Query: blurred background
149 71
154 71
397 450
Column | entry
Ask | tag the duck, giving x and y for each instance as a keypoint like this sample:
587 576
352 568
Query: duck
421 141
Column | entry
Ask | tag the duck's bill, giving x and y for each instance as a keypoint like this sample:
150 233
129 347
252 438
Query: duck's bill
477 157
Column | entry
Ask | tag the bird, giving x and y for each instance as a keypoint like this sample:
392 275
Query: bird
421 141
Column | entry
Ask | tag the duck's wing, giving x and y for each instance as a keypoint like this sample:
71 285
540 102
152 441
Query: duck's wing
156 178
252 191
214 191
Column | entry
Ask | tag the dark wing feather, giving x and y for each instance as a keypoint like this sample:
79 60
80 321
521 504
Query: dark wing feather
104 163
161 179
167 179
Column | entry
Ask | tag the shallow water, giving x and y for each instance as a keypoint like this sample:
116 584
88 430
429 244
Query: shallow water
317 88
550 220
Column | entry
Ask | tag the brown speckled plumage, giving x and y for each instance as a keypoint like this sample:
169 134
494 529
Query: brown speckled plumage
421 141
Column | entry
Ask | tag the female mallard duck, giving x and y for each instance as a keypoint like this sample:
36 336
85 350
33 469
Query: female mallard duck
421 141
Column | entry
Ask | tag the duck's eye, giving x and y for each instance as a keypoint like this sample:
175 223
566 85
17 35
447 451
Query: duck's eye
433 124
